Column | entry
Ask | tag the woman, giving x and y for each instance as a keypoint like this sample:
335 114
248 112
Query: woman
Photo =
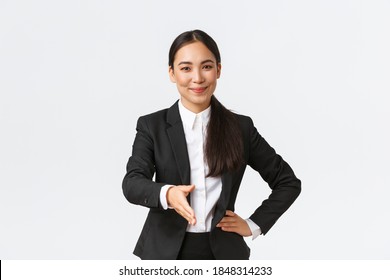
198 151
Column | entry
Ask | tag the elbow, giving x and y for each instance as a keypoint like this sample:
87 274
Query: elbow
297 188
126 189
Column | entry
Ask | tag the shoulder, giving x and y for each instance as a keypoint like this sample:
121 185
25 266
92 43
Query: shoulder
152 121
243 120
161 114
165 115
160 120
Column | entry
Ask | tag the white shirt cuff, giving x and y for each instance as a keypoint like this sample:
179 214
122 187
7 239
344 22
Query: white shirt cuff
255 229
163 196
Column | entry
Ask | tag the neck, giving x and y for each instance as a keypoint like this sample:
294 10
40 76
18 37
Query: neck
195 108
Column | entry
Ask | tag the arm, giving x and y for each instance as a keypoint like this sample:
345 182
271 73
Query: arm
280 177
137 185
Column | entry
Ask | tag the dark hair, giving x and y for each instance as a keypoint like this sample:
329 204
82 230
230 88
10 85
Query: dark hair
224 150
190 37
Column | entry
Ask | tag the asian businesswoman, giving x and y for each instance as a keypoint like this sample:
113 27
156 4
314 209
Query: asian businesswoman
198 152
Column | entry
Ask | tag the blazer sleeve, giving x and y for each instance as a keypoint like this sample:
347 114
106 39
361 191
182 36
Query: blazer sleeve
137 185
278 174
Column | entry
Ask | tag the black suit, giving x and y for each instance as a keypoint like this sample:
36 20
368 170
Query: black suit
160 148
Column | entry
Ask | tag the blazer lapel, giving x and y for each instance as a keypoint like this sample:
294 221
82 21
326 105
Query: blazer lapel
178 143
222 204
177 138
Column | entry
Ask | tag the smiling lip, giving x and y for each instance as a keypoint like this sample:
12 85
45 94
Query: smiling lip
198 90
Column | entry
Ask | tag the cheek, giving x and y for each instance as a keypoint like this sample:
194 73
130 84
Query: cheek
212 76
182 80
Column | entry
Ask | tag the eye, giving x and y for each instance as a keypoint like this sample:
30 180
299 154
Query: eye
208 67
186 68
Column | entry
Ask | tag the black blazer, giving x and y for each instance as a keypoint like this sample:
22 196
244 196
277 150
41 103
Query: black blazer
160 149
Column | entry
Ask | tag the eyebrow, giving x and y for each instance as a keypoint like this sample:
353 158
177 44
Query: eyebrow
203 62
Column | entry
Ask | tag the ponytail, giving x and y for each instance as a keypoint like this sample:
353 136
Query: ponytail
224 149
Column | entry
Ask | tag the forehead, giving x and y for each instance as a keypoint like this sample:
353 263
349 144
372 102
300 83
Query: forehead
194 52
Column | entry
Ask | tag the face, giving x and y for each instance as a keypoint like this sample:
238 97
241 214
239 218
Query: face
195 72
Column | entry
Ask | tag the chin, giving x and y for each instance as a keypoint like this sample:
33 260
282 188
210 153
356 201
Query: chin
201 99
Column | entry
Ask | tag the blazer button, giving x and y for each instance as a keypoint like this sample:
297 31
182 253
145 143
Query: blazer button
146 201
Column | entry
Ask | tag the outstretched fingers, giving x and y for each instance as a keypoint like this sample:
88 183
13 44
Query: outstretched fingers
177 199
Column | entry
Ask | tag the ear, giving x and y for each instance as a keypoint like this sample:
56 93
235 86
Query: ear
171 74
219 66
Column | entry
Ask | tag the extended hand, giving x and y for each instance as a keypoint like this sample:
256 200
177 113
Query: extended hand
177 199
234 223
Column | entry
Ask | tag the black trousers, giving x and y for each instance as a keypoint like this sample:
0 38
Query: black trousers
196 246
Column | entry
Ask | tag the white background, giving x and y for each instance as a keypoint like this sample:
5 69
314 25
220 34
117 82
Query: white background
76 75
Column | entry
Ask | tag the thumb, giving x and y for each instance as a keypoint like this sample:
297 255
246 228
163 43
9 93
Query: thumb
230 213
191 188
188 188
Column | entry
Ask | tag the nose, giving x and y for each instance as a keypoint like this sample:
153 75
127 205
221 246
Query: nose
197 76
